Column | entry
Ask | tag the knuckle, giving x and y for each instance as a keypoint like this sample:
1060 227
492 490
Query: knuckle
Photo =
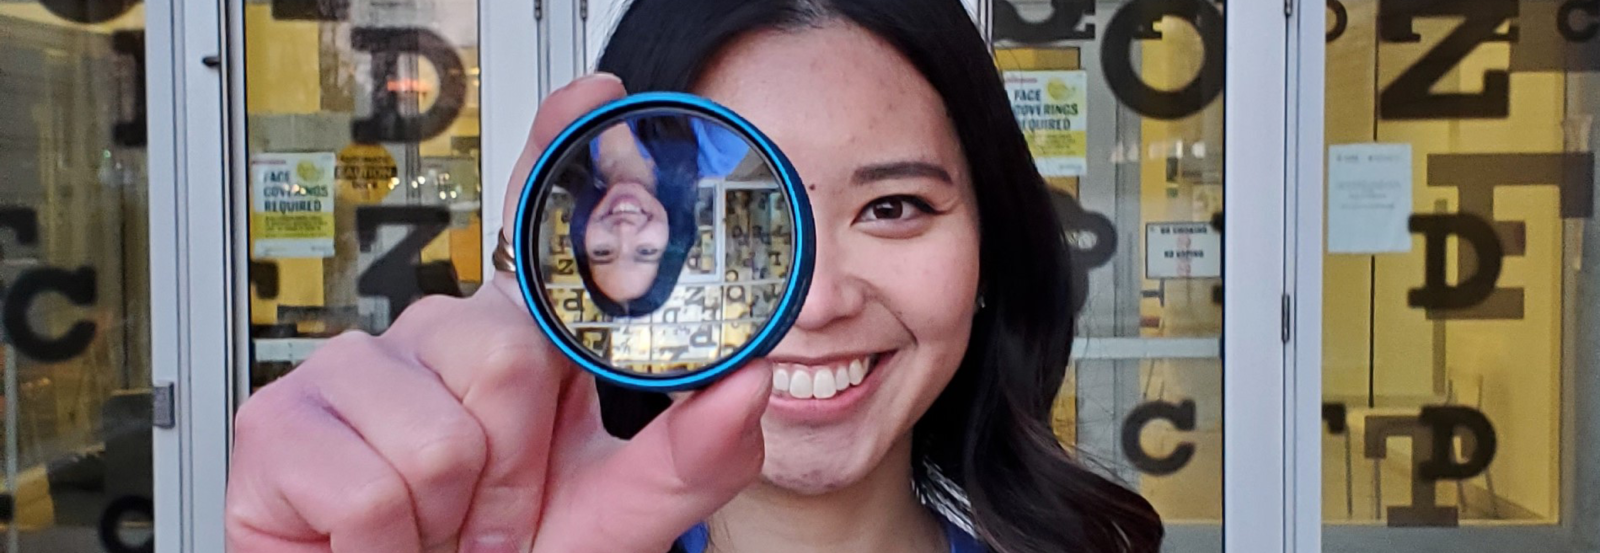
262 415
427 310
511 359
454 454
383 497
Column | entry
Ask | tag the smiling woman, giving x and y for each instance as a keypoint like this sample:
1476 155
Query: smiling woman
907 409
906 236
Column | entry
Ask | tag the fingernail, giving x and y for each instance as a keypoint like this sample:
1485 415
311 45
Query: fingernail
598 77
491 543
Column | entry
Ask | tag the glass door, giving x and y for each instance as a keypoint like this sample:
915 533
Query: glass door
1459 274
1130 113
75 284
361 158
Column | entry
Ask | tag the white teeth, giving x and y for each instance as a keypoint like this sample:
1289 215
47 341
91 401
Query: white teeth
806 382
824 387
800 385
625 207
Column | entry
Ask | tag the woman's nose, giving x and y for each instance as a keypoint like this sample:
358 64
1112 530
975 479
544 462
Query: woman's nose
837 292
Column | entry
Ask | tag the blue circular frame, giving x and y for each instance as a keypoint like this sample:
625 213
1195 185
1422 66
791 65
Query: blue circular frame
531 205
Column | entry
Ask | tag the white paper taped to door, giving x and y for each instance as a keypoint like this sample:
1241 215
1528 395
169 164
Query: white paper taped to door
1182 250
1369 198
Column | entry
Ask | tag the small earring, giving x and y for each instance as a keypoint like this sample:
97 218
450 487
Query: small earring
980 302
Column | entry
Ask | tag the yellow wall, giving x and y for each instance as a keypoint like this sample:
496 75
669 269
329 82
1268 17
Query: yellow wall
1518 361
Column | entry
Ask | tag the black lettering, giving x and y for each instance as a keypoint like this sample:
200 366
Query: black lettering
394 276
311 10
88 11
1409 96
130 508
1479 443
1066 22
1336 417
1135 21
1473 231
77 286
386 123
1181 415
1424 509
1590 28
133 131
1475 178
1341 20
264 276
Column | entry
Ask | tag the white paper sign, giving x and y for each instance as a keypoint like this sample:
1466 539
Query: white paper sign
1182 250
1369 198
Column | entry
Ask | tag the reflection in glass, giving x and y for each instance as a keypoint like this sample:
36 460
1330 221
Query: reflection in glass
665 244
1136 180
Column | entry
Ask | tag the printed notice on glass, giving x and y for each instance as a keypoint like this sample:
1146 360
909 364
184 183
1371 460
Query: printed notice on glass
291 205
1182 250
1049 106
1369 198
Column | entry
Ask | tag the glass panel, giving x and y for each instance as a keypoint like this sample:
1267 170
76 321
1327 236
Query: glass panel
1460 185
362 128
1121 102
74 263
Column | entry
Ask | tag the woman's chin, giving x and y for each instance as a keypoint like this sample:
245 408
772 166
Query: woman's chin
810 481
816 466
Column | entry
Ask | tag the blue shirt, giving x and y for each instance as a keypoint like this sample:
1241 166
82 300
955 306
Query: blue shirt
694 541
719 149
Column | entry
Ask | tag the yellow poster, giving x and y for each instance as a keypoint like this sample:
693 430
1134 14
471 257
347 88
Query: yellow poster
1050 109
291 207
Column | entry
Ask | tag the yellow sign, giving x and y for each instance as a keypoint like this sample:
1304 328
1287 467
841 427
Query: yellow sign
1050 109
366 173
291 208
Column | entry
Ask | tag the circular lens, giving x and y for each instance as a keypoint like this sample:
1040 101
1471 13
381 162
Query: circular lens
663 244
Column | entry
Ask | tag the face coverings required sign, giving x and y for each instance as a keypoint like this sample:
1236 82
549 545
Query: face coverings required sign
1049 106
291 205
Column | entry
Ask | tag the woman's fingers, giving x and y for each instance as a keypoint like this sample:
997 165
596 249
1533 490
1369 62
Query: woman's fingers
559 110
493 359
305 482
685 465
409 418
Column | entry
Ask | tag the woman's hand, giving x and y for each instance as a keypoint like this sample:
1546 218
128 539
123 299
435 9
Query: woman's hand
462 429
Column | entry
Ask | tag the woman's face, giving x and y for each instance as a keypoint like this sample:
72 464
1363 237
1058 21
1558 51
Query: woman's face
626 236
897 251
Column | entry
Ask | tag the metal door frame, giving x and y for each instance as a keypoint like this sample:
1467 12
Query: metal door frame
192 279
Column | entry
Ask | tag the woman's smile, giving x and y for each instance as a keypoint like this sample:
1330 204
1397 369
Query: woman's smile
824 390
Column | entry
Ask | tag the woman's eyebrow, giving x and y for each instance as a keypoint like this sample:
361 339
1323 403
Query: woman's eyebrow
901 170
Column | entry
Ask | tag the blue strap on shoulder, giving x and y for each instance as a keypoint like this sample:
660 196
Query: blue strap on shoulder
698 537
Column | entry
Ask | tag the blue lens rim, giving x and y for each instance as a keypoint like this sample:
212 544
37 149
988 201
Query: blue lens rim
531 204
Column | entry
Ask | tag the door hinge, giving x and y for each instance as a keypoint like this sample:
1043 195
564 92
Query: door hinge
164 409
1287 318
583 10
1288 8
538 10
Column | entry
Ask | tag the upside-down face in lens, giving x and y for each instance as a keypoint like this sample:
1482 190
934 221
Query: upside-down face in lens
625 240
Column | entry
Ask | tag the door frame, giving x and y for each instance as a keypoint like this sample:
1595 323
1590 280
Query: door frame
191 271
